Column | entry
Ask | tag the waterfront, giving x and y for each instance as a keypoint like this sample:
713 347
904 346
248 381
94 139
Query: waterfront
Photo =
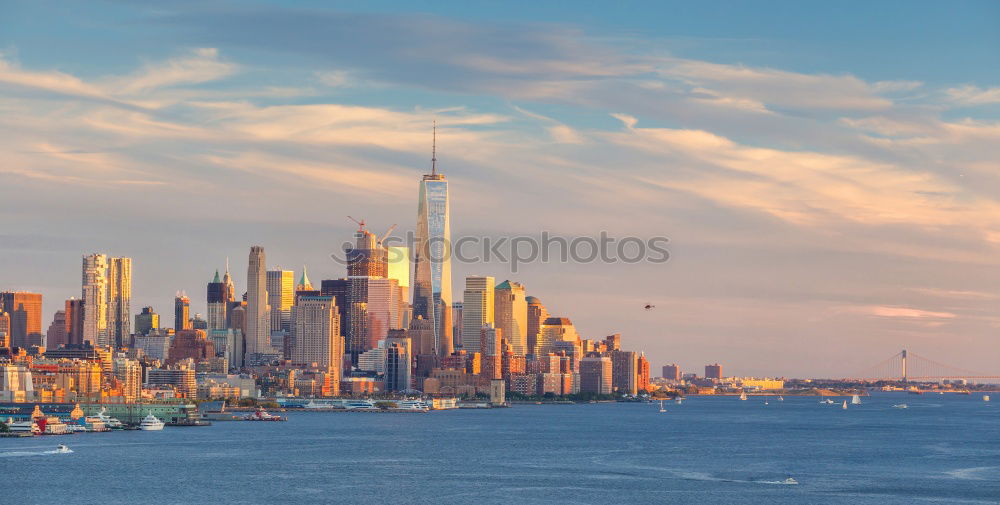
942 449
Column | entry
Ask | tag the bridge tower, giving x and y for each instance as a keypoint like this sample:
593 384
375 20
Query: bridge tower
903 361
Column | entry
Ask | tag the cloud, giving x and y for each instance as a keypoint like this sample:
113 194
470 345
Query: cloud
198 66
906 313
973 95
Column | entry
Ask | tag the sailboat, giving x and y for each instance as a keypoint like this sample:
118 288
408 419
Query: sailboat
679 400
743 395
765 401
845 405
661 407
986 398
855 400
781 398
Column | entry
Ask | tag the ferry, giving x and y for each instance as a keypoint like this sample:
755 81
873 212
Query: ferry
413 405
359 405
151 423
62 449
24 427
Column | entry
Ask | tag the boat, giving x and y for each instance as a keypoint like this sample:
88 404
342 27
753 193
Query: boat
151 423
679 400
986 398
855 400
845 405
262 415
765 401
826 401
110 422
28 426
790 480
900 406
781 398
661 407
419 405
62 449
743 395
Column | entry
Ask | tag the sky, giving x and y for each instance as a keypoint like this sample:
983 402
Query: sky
827 173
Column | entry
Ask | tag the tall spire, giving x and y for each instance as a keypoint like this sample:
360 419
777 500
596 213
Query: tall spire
304 284
216 280
434 137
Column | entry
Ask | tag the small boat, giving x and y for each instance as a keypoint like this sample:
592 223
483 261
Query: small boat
855 400
262 415
765 402
845 405
900 406
743 395
151 423
826 401
679 400
781 398
661 407
986 398
62 449
790 480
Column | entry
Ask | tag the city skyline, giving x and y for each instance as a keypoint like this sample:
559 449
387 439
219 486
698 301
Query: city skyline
823 213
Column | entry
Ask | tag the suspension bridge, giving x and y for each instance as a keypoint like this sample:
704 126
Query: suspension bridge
907 366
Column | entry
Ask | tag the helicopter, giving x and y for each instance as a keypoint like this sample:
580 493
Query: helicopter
649 306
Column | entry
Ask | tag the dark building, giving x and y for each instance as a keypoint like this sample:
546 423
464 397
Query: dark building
74 322
672 372
56 335
182 313
713 371
190 344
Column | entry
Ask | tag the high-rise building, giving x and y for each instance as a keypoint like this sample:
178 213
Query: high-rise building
4 329
713 371
625 369
432 257
555 329
119 301
490 350
182 312
190 344
280 296
595 375
536 318
316 334
257 320
398 362
511 315
56 334
145 321
218 296
477 309
421 333
383 309
642 373
368 257
129 374
672 372
74 321
304 284
95 299
25 313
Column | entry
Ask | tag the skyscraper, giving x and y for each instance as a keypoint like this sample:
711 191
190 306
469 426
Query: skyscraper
713 371
316 336
625 372
536 317
182 312
257 320
432 256
555 329
595 375
95 299
119 301
74 321
280 295
477 309
398 361
511 315
4 329
25 313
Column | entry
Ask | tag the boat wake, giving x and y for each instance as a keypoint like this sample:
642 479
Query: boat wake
974 473
18 454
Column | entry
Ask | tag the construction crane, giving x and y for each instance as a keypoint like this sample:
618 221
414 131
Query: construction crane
361 224
386 234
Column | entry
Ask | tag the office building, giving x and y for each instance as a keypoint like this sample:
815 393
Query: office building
182 312
642 373
477 309
432 257
511 315
25 313
625 366
257 320
555 329
145 321
4 329
536 317
280 296
74 322
56 334
398 361
316 334
219 298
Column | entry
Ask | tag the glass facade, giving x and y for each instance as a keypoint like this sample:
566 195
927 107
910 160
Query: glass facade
432 258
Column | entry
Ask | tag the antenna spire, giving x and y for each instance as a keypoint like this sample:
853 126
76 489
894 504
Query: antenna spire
434 148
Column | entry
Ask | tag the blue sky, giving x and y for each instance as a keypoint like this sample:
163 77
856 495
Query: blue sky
826 172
